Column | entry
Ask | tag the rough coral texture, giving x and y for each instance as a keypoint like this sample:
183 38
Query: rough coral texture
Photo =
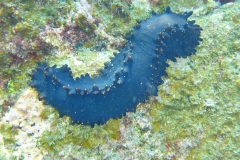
185 131
200 97
24 118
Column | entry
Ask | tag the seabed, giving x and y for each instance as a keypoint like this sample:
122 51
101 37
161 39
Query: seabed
195 115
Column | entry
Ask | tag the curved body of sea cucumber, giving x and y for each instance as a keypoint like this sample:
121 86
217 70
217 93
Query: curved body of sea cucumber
131 77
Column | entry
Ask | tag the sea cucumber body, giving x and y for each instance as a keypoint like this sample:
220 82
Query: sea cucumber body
131 77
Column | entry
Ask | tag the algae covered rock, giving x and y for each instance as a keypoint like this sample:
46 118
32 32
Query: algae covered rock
194 116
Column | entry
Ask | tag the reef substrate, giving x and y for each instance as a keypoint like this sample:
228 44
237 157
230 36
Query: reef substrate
131 76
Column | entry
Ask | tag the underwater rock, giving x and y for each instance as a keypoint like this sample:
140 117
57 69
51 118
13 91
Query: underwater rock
130 78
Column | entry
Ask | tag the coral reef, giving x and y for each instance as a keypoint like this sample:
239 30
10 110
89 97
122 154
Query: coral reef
22 126
195 116
200 97
130 78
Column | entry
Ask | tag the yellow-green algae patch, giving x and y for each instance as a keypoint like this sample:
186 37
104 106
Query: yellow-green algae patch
119 17
83 62
8 132
200 7
63 133
200 96
20 45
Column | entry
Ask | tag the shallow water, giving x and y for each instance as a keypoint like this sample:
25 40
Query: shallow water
194 116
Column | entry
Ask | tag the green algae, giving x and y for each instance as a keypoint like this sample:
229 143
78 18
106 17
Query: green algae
112 127
200 7
21 22
193 99
84 62
47 112
84 25
11 87
200 96
197 100
64 133
25 17
8 133
114 20
119 17
113 14
26 30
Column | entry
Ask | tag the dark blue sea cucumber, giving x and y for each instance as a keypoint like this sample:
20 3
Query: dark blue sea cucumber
131 77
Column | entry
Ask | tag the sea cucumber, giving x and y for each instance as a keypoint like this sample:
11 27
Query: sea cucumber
131 76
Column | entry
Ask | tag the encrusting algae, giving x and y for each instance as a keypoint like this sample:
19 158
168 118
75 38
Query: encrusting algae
194 116
200 96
